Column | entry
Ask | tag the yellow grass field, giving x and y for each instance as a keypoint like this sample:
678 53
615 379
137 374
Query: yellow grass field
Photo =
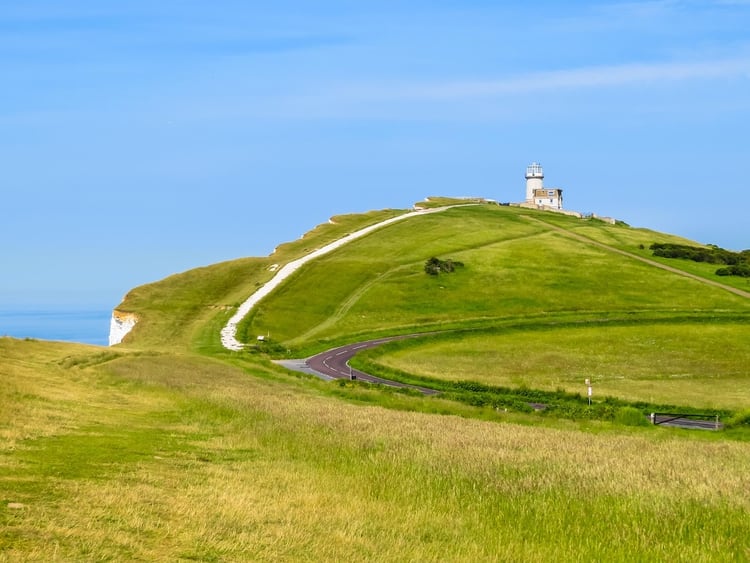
169 457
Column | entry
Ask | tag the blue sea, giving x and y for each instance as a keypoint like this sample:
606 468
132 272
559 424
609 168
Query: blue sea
72 325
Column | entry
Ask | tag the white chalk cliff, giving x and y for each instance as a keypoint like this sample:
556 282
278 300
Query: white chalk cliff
120 325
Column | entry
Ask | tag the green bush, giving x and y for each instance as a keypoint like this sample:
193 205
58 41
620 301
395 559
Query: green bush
742 270
630 416
711 254
434 265
741 418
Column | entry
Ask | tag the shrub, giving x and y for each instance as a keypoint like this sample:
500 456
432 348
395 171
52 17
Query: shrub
434 265
711 254
741 418
736 262
741 270
630 416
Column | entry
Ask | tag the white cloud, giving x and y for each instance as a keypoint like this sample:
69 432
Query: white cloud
570 79
508 97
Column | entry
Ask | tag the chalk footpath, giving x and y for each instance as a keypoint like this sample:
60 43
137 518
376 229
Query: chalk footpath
229 332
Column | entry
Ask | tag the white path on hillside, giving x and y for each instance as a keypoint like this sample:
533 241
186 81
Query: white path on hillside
229 332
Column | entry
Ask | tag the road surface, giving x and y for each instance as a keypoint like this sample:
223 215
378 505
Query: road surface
334 364
686 422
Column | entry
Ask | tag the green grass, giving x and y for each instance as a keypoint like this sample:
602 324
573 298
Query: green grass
168 457
695 362
377 285
187 310
169 448
513 267
631 240
519 269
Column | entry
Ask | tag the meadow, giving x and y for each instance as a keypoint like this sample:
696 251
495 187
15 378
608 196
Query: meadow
168 447
132 456
691 362
516 266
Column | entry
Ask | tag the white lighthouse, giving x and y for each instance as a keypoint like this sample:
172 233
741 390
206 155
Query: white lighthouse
537 195
534 178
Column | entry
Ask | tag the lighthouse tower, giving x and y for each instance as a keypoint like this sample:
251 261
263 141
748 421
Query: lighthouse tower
534 177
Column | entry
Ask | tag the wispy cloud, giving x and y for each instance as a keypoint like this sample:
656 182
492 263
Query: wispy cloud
569 79
511 96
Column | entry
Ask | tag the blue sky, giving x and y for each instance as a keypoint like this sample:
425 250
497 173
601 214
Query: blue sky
141 138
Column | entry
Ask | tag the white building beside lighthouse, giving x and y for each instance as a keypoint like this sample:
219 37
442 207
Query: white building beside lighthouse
536 194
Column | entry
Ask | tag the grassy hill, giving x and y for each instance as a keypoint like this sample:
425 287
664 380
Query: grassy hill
187 310
168 447
516 265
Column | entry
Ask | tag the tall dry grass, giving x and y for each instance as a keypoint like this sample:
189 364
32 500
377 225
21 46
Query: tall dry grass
177 457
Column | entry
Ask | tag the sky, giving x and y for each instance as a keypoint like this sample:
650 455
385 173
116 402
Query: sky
140 139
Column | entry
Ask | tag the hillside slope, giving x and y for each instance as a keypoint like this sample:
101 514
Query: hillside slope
517 263
169 447
522 269
187 310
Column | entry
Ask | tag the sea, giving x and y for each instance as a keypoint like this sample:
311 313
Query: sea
88 326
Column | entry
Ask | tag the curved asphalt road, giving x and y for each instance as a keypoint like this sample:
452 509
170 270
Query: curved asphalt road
334 364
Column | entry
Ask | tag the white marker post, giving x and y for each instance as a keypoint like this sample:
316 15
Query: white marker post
588 384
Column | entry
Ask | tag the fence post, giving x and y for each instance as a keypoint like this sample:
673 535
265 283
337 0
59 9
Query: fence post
653 418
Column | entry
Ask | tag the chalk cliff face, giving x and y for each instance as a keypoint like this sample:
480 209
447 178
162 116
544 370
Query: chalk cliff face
120 325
